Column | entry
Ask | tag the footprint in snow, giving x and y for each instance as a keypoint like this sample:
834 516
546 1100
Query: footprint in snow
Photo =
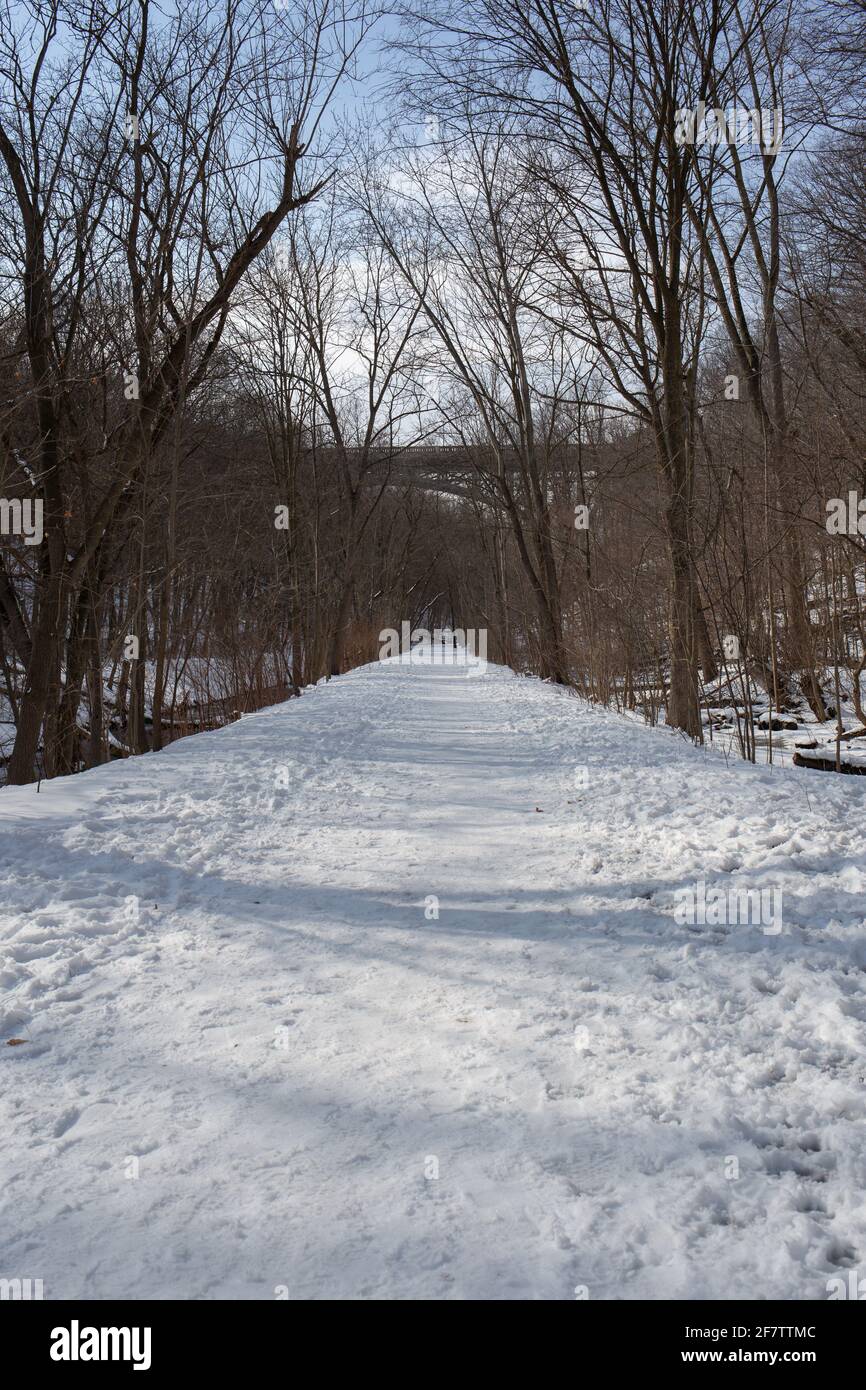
65 1121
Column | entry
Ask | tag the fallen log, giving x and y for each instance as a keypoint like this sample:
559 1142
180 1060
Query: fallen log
828 764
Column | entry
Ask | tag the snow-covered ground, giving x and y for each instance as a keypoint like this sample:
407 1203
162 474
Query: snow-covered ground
257 1064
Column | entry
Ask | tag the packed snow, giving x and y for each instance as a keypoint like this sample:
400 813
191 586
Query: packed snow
251 1061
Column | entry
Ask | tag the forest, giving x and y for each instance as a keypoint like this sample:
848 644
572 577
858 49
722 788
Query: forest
542 319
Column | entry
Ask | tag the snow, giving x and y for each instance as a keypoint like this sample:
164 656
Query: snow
226 966
730 701
190 685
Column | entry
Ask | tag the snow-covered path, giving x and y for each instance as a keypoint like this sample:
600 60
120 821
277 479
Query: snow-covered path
327 1092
